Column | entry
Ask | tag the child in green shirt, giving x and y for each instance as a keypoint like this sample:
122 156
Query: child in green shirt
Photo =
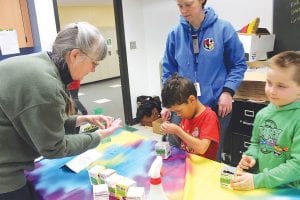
275 143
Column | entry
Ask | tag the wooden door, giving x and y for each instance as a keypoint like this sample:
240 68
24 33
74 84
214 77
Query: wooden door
14 15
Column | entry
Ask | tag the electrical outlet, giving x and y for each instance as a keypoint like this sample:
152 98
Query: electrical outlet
133 45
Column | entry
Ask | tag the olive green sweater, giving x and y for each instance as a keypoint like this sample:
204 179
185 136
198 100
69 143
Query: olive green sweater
275 144
33 121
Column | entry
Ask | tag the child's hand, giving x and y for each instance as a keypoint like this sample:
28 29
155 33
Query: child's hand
246 162
165 114
170 128
242 181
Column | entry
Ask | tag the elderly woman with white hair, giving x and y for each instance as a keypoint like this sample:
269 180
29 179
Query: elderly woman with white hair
36 112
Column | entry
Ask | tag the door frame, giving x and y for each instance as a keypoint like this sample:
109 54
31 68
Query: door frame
123 66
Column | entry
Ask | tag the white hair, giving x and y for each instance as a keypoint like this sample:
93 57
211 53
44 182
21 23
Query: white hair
80 35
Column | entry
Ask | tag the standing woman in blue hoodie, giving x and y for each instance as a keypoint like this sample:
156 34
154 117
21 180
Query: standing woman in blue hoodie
207 50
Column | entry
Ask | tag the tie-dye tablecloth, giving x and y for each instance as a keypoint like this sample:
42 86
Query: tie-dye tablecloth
187 177
203 182
129 154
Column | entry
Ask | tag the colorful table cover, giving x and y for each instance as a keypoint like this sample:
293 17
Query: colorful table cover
185 176
130 154
203 182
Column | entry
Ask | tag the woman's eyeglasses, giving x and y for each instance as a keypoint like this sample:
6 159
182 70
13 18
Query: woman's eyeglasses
94 62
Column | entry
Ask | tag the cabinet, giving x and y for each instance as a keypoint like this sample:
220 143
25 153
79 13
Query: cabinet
14 15
240 127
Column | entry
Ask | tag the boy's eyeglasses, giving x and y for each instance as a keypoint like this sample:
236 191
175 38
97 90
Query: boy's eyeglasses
94 62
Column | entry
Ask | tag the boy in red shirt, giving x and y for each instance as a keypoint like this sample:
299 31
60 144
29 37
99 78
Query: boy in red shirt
199 127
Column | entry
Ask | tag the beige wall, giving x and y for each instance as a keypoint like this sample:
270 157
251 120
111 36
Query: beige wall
100 16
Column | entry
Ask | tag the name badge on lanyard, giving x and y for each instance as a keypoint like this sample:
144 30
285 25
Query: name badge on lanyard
197 86
195 44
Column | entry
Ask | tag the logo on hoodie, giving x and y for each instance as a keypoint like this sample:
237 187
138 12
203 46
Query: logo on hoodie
208 44
268 136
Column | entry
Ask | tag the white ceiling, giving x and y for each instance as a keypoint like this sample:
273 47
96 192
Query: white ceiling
84 2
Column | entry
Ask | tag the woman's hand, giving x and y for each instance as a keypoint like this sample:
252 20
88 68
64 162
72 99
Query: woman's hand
107 125
242 181
165 114
110 129
225 104
100 120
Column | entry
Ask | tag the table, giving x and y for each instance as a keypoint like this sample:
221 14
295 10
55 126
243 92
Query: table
185 176
130 154
203 182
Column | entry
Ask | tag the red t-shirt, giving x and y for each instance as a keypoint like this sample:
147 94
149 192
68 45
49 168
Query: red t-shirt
204 126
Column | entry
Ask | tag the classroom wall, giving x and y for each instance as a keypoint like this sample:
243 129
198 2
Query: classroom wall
242 12
136 58
100 16
156 28
46 23
148 23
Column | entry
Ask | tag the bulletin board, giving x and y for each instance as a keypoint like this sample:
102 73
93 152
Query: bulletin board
286 25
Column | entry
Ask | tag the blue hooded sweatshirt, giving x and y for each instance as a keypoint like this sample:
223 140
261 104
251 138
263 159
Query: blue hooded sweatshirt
220 64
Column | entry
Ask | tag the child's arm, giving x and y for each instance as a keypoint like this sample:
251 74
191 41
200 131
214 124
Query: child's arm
200 146
284 173
246 162
242 180
165 114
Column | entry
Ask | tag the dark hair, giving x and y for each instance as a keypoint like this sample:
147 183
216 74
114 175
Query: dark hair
287 59
177 91
147 106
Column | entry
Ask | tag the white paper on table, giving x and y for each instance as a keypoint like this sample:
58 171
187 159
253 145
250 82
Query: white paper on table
9 42
83 160
38 159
